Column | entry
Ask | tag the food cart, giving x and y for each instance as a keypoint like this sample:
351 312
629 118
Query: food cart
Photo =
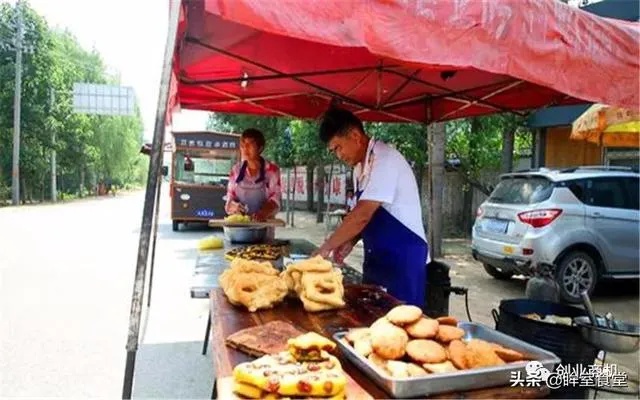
389 61
200 165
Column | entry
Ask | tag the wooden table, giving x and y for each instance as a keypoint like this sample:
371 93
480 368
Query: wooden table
365 304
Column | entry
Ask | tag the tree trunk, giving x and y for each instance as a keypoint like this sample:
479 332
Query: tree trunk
293 198
310 187
467 212
23 189
329 196
507 150
82 176
288 204
321 175
436 187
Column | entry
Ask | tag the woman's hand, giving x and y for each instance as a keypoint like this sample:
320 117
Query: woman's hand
236 208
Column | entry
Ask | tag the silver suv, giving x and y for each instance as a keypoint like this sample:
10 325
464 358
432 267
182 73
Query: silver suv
583 220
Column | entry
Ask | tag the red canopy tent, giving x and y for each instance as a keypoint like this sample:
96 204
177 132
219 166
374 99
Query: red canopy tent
387 60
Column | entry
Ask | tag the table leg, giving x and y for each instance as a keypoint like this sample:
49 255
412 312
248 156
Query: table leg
214 391
206 335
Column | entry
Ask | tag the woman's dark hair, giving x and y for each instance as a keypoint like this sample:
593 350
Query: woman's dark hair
337 122
256 135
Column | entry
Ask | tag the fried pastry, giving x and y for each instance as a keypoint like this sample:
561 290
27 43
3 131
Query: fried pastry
480 353
356 334
316 283
507 355
389 342
378 362
426 351
283 375
310 347
448 320
252 284
363 346
447 333
380 322
398 369
404 315
424 328
443 367
416 370
457 352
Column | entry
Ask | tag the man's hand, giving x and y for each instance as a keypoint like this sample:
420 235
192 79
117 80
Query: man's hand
323 251
340 253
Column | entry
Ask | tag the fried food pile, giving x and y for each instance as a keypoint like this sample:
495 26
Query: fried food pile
255 252
284 374
237 218
552 319
316 283
255 285
404 343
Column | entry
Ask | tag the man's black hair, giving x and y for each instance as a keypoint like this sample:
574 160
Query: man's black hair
337 122
256 135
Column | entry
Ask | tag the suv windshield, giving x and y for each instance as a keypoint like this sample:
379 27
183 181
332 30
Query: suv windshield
522 190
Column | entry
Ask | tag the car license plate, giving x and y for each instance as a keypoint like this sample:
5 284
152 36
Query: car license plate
508 249
495 225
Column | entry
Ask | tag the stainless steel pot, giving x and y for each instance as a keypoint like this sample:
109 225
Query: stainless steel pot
242 234
624 338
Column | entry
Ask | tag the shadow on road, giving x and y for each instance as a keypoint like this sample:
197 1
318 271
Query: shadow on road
173 371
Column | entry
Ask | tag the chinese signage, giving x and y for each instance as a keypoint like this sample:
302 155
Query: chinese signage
205 140
593 376
334 188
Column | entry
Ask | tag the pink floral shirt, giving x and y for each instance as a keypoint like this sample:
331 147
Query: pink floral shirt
272 178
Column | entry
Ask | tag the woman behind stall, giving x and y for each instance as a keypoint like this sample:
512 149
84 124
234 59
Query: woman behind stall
254 183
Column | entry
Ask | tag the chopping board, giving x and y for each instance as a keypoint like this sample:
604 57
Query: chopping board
264 339
224 387
253 224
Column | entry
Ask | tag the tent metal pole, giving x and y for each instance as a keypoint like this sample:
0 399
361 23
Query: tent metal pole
155 236
155 166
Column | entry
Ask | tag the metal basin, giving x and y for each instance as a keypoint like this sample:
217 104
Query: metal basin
241 234
622 338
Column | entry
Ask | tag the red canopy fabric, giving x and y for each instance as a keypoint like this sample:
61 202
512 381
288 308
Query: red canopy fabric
400 60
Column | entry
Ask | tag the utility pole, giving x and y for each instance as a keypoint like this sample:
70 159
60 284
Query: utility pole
15 175
54 190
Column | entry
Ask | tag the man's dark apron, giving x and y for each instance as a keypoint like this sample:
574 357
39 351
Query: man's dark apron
394 257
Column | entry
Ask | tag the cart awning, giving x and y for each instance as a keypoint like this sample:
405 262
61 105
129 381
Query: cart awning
400 60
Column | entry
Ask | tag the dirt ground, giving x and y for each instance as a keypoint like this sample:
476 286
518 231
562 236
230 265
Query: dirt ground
485 292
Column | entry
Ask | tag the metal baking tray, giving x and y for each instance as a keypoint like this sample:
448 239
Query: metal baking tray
459 381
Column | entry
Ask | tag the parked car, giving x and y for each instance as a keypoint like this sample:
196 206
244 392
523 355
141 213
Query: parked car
583 220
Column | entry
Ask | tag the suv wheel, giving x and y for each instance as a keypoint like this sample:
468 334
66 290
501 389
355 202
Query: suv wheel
577 272
497 273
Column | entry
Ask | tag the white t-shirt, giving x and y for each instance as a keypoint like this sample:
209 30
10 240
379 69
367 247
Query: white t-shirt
388 178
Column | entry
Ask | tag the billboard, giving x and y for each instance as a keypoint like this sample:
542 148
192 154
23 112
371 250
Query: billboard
91 98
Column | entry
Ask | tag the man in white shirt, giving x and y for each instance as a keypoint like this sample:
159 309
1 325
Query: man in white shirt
387 216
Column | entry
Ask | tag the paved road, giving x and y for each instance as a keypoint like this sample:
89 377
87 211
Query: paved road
66 275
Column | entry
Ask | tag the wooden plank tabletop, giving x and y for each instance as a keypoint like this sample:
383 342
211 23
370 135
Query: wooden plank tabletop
365 304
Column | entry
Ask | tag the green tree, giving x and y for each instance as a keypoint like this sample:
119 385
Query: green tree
93 146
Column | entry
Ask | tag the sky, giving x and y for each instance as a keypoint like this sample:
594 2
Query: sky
130 35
